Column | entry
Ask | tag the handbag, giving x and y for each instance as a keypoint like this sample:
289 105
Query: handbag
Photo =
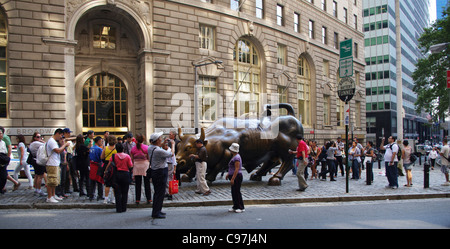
4 159
173 186
110 173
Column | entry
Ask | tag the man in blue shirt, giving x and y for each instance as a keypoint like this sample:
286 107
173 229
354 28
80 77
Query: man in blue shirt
96 163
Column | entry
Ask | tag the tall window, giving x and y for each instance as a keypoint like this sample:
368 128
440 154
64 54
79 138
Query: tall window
3 67
345 16
335 14
259 9
207 35
339 106
234 5
247 80
304 91
336 40
324 35
296 22
104 37
281 54
324 5
208 97
311 29
326 110
280 17
104 102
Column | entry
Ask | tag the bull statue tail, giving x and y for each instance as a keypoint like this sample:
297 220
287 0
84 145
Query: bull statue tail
288 107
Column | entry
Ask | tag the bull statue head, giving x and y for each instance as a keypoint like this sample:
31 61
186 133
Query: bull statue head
187 147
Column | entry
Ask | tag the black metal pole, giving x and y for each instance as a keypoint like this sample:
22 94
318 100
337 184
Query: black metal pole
369 173
346 158
426 174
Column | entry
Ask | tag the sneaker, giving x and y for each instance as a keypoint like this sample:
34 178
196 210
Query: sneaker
231 210
52 200
57 198
239 210
106 200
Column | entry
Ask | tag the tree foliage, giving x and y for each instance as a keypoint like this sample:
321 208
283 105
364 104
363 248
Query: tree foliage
430 76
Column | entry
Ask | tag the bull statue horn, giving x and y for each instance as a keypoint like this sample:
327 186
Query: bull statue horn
180 133
202 135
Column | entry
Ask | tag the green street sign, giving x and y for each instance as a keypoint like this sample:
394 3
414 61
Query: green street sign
346 48
346 67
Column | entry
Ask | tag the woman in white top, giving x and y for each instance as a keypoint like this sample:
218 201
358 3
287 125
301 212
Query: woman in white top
22 152
433 155
407 165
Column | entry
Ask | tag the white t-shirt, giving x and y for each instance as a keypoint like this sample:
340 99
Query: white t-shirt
446 151
54 158
389 152
3 148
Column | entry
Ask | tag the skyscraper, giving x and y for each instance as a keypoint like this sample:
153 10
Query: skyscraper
380 56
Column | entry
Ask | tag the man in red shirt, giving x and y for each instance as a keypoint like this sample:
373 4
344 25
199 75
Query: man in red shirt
302 162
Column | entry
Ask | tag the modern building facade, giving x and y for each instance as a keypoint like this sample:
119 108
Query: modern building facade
380 57
132 65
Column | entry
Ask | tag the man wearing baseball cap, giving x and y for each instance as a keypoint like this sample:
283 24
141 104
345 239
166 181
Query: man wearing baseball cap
159 170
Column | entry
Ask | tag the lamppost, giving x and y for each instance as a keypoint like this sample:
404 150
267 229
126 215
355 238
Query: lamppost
216 62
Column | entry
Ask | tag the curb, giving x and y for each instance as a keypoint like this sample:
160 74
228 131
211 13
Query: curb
228 202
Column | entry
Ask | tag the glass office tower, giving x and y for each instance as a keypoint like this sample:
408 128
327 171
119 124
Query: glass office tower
380 57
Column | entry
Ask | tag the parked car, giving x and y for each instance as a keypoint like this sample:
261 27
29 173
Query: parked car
15 160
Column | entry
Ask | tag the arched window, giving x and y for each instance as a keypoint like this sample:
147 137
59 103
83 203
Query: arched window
247 78
104 102
3 67
304 91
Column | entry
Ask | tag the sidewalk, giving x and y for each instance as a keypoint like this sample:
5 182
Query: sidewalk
257 192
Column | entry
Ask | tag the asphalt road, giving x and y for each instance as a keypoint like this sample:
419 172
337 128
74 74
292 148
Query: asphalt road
399 214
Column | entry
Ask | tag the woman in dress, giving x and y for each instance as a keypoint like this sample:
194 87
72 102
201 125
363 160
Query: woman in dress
139 157
235 176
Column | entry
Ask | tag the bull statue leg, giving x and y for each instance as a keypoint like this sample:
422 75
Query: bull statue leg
287 165
189 175
268 165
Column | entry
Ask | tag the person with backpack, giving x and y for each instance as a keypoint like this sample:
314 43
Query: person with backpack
39 170
53 150
407 164
121 184
82 162
391 161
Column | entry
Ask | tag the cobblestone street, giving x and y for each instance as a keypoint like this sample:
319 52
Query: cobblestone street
258 192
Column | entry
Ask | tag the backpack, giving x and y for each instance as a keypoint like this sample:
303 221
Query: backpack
109 175
42 156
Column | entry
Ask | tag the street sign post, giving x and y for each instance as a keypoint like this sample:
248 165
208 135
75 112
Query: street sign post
346 48
346 67
346 58
346 91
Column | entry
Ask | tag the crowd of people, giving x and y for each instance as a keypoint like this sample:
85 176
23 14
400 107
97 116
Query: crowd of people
331 155
77 164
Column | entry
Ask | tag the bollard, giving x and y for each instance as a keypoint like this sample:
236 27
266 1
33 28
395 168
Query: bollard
426 174
369 173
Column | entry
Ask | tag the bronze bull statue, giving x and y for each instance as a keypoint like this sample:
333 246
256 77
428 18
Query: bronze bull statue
258 145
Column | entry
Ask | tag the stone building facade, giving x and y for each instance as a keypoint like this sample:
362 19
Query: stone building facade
131 65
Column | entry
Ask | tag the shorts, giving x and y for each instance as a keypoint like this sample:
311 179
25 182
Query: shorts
39 169
53 175
407 166
444 169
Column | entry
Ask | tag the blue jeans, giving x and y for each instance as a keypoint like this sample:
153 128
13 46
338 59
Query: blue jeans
392 174
355 169
331 168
